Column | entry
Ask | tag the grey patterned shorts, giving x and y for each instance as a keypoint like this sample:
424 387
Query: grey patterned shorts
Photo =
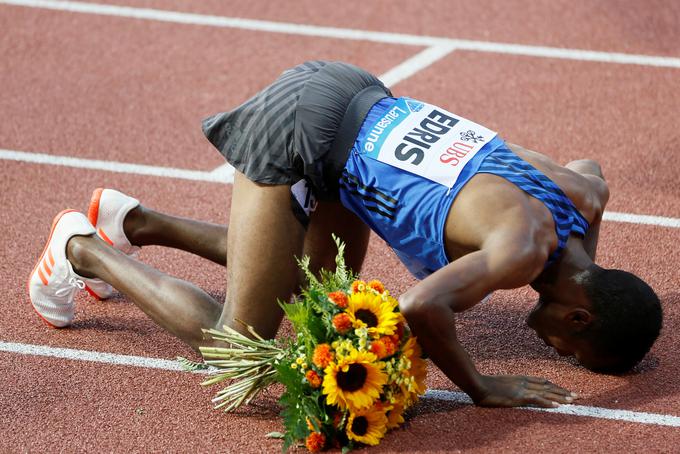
285 133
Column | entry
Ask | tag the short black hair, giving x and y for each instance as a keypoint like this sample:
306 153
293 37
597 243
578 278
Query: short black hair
628 317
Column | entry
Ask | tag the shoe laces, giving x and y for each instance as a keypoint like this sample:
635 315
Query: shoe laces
73 283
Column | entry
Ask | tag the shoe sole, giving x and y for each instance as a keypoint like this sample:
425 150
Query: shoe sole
40 260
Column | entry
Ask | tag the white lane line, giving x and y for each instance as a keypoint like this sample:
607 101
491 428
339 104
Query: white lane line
419 61
86 355
346 33
119 167
435 394
641 219
639 417
225 174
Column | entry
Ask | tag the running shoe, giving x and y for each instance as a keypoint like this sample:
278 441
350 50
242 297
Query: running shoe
53 283
106 213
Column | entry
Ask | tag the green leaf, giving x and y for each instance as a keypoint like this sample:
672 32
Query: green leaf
275 435
191 366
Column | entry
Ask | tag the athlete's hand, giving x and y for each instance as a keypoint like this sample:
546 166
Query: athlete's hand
519 391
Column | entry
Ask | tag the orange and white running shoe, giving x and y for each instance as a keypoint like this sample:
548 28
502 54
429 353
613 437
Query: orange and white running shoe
107 212
53 283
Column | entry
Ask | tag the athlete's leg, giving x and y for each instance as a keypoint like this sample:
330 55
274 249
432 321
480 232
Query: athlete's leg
144 227
332 217
177 306
264 238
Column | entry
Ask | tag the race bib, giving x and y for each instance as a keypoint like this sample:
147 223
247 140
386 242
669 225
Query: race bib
425 140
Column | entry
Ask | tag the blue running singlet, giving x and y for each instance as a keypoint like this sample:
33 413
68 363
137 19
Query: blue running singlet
409 211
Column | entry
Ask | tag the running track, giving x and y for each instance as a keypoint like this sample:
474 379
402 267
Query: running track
113 95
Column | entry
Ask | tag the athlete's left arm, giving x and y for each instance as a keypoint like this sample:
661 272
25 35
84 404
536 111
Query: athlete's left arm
599 196
507 260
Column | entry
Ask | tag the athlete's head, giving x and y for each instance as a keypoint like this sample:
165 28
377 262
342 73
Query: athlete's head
609 327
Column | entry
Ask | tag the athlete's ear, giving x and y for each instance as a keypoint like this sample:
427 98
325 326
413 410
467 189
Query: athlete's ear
579 318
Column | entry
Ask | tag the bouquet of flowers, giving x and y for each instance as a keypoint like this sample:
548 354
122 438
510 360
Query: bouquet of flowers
349 373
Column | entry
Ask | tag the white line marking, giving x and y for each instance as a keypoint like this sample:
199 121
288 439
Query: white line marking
641 219
412 65
575 410
165 364
86 355
348 34
113 166
225 174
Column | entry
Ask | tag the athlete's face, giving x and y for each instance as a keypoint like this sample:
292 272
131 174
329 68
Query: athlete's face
556 325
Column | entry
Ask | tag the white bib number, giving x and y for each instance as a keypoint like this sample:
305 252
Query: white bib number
425 140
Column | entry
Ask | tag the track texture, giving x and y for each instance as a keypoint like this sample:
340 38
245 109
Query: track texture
128 90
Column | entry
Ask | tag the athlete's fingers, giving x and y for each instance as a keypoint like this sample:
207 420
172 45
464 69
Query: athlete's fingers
560 398
531 399
550 387
537 384
538 380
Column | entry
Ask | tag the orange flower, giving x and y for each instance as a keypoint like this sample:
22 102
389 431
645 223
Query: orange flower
313 378
358 286
390 346
323 355
342 323
378 349
376 285
315 442
339 298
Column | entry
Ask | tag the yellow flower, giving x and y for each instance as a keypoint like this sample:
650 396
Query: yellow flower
367 426
354 381
413 378
370 311
395 415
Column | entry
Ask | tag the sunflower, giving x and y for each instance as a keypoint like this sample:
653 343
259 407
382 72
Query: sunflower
413 384
371 311
354 381
367 426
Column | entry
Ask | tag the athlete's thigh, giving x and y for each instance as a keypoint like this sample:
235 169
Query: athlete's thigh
264 239
329 218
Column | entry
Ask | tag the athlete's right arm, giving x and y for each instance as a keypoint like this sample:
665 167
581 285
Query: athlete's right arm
430 307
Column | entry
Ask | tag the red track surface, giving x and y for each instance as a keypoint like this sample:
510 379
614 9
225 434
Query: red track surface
135 91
